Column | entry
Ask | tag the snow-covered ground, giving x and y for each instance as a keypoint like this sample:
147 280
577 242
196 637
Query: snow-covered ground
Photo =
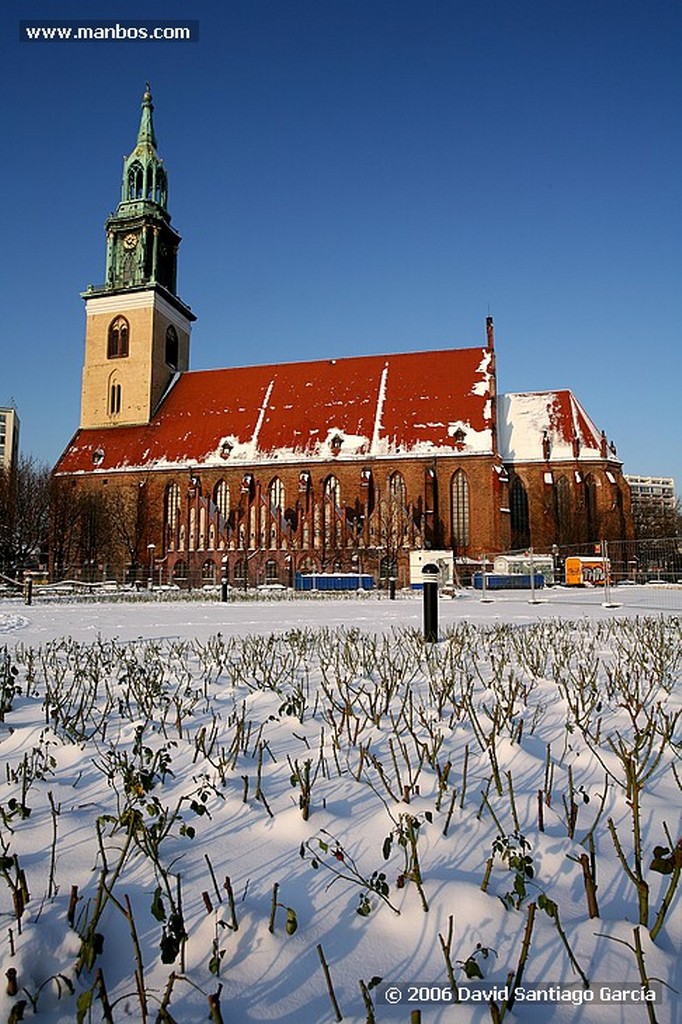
316 746
86 621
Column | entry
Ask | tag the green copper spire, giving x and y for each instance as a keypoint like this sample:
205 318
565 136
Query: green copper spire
141 244
146 136
144 178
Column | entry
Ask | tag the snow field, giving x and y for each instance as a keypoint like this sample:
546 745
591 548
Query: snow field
232 735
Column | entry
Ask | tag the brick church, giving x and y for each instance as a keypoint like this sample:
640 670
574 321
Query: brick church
331 465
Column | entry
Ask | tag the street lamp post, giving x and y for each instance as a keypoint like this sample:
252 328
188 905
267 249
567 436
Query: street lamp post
223 580
430 577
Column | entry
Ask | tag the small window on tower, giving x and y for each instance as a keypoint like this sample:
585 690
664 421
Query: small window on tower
160 194
172 347
135 179
114 399
117 342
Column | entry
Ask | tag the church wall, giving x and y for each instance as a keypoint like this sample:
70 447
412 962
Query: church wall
578 517
362 524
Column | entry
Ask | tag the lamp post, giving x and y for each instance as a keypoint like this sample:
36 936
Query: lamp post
223 580
430 577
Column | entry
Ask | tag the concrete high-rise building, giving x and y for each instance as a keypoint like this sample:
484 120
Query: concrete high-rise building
9 438
649 490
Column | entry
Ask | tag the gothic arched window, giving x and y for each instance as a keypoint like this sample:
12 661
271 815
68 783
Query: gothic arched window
396 519
459 509
591 485
276 494
172 347
331 511
135 181
117 338
562 511
520 519
172 510
160 193
221 498
114 399
276 503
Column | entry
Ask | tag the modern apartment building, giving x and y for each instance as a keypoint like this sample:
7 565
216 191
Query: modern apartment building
652 490
9 438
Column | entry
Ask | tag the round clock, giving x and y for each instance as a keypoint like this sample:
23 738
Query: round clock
130 241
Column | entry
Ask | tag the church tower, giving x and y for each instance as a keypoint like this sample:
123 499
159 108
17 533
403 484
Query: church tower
137 329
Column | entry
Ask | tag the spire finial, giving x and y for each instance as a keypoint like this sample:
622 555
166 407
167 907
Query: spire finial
146 132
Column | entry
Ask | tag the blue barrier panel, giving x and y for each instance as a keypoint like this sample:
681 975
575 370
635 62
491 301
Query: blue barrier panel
333 581
511 581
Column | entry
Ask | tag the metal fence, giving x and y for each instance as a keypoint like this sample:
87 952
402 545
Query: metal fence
644 574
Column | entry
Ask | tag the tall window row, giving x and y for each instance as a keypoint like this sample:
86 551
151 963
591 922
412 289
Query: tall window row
244 516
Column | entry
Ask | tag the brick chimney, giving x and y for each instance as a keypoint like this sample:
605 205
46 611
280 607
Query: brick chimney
490 332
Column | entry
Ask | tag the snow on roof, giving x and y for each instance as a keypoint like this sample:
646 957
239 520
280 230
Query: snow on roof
554 422
417 403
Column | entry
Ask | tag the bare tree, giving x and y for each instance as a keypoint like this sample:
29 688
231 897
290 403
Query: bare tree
131 522
394 525
24 514
655 519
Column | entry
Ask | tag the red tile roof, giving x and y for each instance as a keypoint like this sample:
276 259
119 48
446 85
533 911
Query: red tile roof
404 404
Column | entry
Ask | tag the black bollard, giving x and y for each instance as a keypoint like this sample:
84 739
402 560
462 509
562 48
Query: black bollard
391 588
28 590
223 581
430 577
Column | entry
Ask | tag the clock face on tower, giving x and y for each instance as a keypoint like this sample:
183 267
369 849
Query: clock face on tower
130 241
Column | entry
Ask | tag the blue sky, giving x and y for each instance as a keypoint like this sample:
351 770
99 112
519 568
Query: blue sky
361 176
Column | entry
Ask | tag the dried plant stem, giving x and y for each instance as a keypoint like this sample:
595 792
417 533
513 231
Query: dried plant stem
107 1016
367 1000
512 800
590 886
465 769
163 1016
415 869
665 904
52 887
449 814
638 882
328 979
571 957
639 955
495 1015
139 969
73 903
183 941
273 908
213 879
230 900
446 946
214 1006
525 949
